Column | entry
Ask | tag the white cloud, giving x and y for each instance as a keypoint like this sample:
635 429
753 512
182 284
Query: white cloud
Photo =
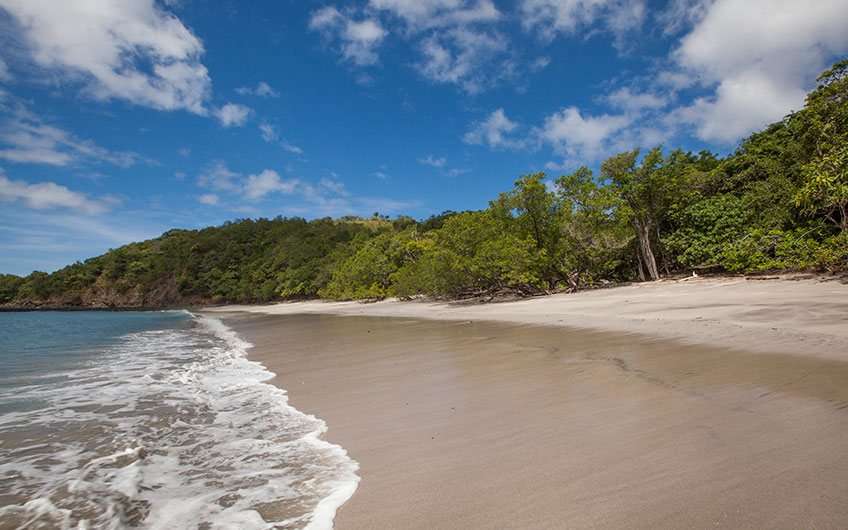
549 18
219 177
4 71
130 50
540 63
432 161
328 196
268 181
269 132
262 89
580 137
232 114
209 199
49 195
635 102
358 39
333 186
454 46
24 138
455 172
459 56
681 14
425 14
291 148
493 131
760 57
624 17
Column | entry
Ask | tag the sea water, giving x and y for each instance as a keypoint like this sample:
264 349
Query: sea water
154 420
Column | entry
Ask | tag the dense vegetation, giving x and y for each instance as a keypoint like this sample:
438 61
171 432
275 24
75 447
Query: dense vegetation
779 202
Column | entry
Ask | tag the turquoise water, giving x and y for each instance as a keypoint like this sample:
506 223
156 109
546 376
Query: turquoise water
41 347
154 420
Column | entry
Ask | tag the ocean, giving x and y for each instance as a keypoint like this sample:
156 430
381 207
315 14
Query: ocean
154 420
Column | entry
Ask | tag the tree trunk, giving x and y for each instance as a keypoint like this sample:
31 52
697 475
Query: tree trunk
639 266
643 233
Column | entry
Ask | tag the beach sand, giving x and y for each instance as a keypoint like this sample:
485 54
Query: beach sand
481 424
797 316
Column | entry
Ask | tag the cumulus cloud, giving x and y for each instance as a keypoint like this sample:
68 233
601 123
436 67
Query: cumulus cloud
129 50
459 56
759 57
219 177
634 101
358 39
579 137
262 89
268 181
493 131
232 114
583 137
50 196
454 47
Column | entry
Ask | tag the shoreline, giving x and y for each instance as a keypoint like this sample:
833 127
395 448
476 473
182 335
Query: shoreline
479 424
796 316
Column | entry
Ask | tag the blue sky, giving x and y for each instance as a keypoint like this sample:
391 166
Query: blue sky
120 119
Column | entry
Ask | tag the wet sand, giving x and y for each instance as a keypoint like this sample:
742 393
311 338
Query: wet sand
469 424
795 315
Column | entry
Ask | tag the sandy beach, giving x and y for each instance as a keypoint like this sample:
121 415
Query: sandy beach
702 404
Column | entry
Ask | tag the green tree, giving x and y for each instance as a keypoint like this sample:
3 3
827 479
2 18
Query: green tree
592 233
825 185
533 211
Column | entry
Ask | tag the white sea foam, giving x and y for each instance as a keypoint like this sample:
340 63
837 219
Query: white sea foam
173 429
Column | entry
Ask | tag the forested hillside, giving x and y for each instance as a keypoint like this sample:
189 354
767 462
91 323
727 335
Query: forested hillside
780 202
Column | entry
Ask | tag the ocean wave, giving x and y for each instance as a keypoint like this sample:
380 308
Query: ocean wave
171 428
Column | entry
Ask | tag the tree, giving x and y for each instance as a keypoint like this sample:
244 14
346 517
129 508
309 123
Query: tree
825 185
534 212
590 225
635 184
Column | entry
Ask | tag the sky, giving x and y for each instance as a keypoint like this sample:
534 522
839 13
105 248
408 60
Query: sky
121 119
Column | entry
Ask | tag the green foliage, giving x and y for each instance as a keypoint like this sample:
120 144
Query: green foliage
9 286
594 234
532 212
825 129
473 252
779 202
768 250
706 227
366 274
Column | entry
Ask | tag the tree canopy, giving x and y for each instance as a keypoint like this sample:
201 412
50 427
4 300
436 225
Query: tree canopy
779 202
